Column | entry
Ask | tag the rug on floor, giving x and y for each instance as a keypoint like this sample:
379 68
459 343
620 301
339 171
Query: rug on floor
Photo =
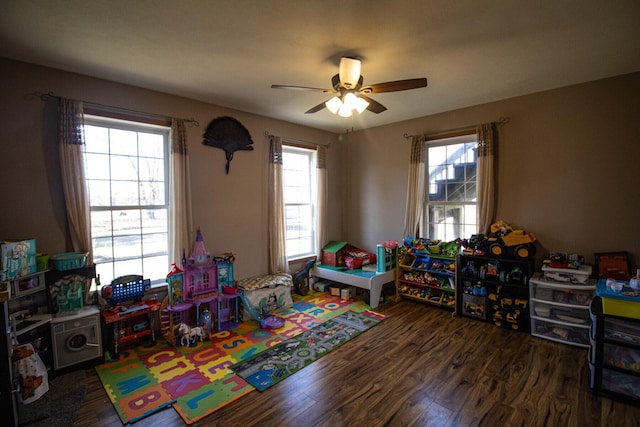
59 406
285 359
196 381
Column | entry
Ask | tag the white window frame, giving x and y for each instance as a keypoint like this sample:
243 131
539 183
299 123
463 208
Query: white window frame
468 224
299 235
149 259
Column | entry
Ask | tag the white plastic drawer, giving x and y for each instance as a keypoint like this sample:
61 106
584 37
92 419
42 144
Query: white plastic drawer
562 313
561 294
561 332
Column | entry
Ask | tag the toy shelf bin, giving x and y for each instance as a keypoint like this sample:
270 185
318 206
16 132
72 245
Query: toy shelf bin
624 303
68 261
406 260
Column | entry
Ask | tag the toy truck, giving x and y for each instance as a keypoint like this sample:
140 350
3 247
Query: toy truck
505 241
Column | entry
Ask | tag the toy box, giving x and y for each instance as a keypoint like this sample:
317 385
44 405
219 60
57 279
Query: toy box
334 252
356 258
612 265
18 258
568 275
624 303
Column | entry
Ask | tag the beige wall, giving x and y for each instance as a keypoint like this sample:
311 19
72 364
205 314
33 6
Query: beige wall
569 168
230 209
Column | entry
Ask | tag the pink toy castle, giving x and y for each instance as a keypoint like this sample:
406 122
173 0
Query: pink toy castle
200 272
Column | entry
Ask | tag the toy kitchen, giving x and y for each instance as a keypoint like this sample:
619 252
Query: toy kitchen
46 309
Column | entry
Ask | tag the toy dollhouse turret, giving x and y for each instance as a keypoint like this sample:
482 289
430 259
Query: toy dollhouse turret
200 272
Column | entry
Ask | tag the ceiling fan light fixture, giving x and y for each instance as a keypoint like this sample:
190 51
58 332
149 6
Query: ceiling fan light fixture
350 100
361 104
333 104
349 72
344 111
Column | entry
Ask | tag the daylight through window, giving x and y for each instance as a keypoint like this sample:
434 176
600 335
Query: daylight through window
451 198
300 193
126 169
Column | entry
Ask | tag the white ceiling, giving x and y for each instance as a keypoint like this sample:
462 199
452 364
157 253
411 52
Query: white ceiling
229 53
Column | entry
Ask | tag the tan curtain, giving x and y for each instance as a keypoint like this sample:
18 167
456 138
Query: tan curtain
76 195
487 170
276 232
415 188
321 215
180 217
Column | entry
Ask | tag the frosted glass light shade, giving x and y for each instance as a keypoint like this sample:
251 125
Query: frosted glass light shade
361 105
349 72
344 111
333 104
350 101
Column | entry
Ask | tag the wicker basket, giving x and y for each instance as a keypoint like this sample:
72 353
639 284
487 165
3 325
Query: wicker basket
68 261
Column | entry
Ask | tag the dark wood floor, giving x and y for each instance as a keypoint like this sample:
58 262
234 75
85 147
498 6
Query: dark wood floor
420 367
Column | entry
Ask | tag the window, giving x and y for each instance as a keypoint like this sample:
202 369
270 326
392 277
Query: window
451 198
299 181
127 171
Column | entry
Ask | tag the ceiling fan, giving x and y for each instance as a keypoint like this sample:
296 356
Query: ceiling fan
351 94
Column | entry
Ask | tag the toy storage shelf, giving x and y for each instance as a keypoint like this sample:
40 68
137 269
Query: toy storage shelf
429 279
494 290
613 355
560 310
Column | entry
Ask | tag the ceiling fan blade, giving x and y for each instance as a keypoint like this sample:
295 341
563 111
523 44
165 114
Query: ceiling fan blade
315 109
374 106
303 88
395 86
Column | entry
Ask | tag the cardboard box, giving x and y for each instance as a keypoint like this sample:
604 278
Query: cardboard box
18 258
348 293
321 286
333 253
335 290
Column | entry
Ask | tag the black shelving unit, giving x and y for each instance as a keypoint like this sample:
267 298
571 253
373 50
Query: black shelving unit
494 290
8 404
614 350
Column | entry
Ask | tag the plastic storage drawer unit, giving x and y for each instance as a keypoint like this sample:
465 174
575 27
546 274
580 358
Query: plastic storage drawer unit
561 332
560 310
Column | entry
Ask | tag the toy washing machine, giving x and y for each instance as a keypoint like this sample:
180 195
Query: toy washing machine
76 337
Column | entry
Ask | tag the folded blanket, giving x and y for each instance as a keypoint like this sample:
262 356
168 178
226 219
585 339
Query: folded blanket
266 281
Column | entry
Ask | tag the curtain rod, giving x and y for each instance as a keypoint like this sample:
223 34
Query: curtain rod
295 141
50 94
500 121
